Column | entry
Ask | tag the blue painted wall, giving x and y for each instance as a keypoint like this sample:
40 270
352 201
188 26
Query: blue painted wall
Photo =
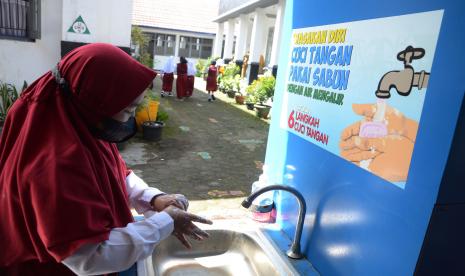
358 223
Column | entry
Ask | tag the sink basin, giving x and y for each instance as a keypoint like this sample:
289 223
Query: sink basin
226 252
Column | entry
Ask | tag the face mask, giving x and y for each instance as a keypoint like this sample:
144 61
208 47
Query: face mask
114 131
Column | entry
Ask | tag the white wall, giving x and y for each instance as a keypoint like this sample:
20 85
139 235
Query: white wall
108 21
26 61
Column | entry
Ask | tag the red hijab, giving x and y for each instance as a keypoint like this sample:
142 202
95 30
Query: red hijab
60 187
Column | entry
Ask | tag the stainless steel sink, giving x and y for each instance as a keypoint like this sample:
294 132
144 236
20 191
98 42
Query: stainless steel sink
226 252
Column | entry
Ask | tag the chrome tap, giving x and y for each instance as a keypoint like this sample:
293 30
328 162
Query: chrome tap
294 250
404 80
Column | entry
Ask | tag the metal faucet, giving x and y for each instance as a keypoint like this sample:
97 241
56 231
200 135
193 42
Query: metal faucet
294 250
404 80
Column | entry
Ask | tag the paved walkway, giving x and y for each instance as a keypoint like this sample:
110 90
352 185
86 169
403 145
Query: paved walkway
210 152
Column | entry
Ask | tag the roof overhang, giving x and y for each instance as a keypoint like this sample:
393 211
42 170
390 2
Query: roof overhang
182 32
245 8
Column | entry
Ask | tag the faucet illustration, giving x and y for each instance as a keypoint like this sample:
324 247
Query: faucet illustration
404 80
294 250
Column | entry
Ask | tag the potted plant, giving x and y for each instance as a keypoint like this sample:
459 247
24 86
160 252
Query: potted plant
229 87
268 84
152 130
259 92
233 85
240 98
8 95
250 105
228 82
251 95
221 85
262 110
146 117
148 109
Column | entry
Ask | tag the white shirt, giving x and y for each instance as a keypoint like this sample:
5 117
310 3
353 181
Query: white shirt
126 245
169 66
191 69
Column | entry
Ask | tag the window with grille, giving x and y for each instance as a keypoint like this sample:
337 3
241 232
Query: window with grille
20 19
164 44
195 47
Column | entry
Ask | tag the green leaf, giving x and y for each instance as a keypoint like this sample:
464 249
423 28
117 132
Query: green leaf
162 116
8 95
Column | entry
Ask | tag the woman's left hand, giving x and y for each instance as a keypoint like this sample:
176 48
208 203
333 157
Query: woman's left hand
184 226
159 203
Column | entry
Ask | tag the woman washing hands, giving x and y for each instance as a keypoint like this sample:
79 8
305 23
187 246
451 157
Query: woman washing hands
66 193
175 206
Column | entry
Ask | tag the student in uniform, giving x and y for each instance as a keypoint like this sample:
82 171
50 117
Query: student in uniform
212 84
181 80
66 193
168 77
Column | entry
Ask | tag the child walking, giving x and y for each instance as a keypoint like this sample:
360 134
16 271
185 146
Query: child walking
181 80
212 85
168 76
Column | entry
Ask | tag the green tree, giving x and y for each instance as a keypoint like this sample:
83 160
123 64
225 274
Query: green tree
141 40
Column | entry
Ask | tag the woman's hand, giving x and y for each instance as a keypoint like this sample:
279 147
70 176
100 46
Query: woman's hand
184 226
159 203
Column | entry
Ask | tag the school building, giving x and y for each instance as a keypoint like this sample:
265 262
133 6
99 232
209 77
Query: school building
177 28
249 27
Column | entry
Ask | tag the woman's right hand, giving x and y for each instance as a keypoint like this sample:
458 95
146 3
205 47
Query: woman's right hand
160 202
183 225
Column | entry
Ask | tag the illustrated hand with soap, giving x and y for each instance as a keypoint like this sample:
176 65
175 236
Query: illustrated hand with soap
383 141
